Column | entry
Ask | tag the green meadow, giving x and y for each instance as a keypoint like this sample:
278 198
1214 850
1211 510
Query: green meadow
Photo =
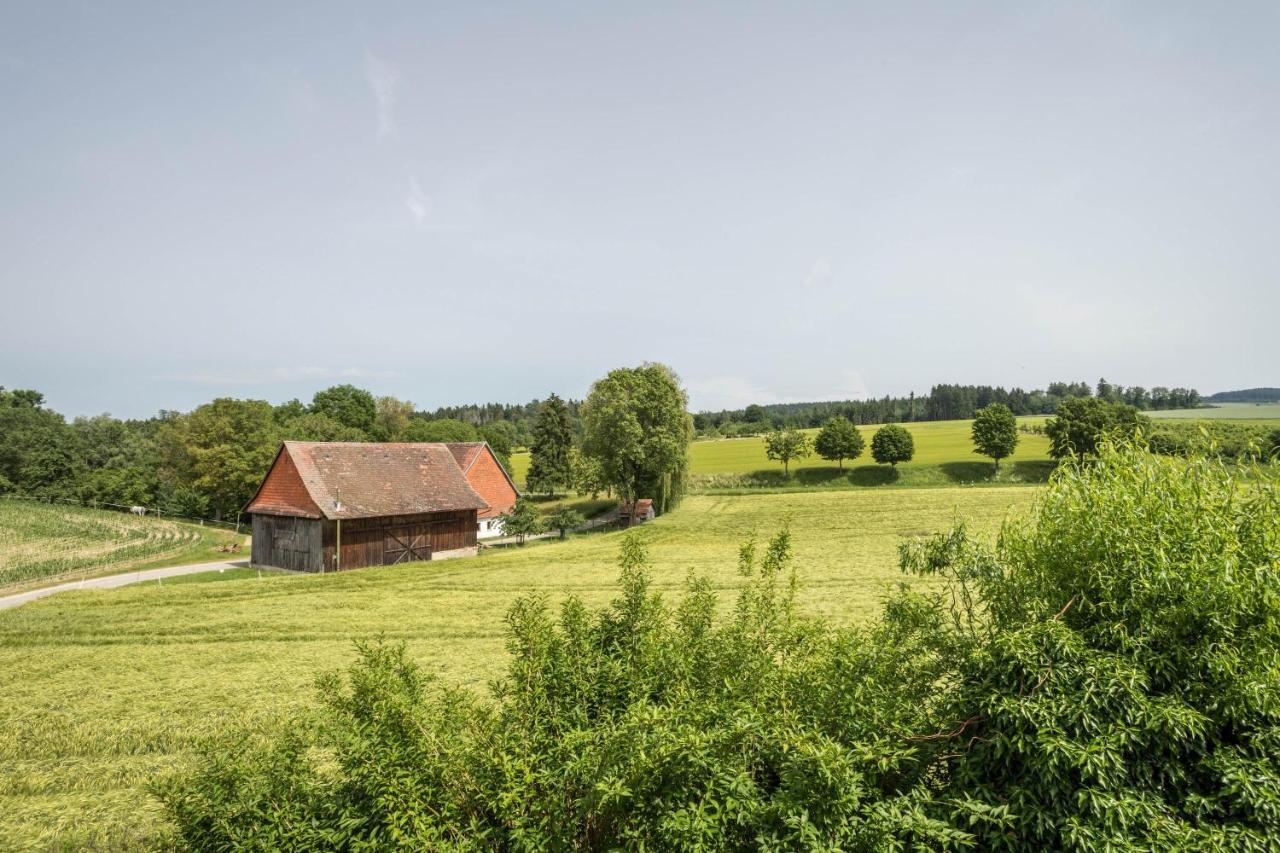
944 456
1262 413
102 690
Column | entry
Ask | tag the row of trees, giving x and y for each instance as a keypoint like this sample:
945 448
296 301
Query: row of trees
944 402
206 462
995 434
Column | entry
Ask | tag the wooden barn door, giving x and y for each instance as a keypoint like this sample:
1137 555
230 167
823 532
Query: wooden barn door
406 544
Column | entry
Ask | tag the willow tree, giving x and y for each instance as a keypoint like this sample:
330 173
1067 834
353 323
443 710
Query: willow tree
637 426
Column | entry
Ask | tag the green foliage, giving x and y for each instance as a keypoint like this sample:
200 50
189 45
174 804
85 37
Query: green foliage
444 429
639 726
318 427
501 437
550 450
348 405
390 419
1083 423
522 521
892 444
225 447
995 432
564 518
1115 679
1223 439
786 445
839 440
638 428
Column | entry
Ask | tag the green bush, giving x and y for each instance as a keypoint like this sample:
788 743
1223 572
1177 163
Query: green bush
1107 676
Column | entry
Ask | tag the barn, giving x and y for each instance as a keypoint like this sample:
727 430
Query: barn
329 506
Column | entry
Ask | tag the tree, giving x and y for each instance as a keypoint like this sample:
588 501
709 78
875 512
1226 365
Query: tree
391 417
523 521
227 446
637 426
550 461
1082 422
1273 444
995 432
444 429
348 405
501 438
839 440
564 518
318 427
588 476
892 444
787 444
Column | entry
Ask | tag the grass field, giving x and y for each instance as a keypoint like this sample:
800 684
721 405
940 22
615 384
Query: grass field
943 447
101 690
1259 412
41 542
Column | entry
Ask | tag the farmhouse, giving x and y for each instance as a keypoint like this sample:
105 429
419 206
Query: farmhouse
326 506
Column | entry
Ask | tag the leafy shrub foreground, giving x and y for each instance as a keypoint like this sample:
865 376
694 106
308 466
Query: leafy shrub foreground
1107 677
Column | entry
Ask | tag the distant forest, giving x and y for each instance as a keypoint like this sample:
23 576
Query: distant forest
1247 395
942 403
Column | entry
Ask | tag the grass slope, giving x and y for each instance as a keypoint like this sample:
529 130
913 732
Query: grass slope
40 543
101 690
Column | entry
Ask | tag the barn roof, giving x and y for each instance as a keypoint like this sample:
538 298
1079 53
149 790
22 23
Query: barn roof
375 479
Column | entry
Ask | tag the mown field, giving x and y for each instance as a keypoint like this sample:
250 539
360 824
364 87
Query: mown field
1255 412
42 542
101 690
944 456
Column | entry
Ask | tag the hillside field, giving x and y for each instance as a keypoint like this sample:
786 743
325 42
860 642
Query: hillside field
42 542
101 690
1263 413
938 443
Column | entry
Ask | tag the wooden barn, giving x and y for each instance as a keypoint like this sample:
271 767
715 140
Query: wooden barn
329 506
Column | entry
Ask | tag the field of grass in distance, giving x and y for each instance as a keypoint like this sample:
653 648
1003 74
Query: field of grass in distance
945 447
1262 413
41 543
100 690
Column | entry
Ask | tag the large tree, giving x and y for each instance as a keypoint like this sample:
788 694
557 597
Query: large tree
1081 423
391 417
348 405
784 445
226 447
995 432
550 451
892 444
637 425
839 440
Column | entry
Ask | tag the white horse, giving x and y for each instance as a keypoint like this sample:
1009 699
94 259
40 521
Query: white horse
138 510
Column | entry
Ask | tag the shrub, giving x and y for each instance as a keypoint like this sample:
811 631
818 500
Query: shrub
1105 677
1081 424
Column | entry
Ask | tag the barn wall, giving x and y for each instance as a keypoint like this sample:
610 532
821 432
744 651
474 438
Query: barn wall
286 542
399 538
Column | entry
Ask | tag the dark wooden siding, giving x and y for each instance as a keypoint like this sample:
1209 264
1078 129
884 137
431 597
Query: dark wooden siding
398 538
286 542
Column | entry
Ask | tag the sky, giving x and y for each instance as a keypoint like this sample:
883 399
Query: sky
471 202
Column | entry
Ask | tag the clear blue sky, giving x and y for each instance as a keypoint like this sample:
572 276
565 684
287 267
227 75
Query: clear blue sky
477 201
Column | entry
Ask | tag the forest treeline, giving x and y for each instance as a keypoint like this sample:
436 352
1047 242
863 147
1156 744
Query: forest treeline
945 402
207 462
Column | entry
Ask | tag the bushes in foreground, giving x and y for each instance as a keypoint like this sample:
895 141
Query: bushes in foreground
1108 675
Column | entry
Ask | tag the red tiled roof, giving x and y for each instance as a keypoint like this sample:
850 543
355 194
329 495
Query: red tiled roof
374 479
465 452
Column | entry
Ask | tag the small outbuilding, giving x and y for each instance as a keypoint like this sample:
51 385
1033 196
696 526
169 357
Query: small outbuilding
329 506
635 512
